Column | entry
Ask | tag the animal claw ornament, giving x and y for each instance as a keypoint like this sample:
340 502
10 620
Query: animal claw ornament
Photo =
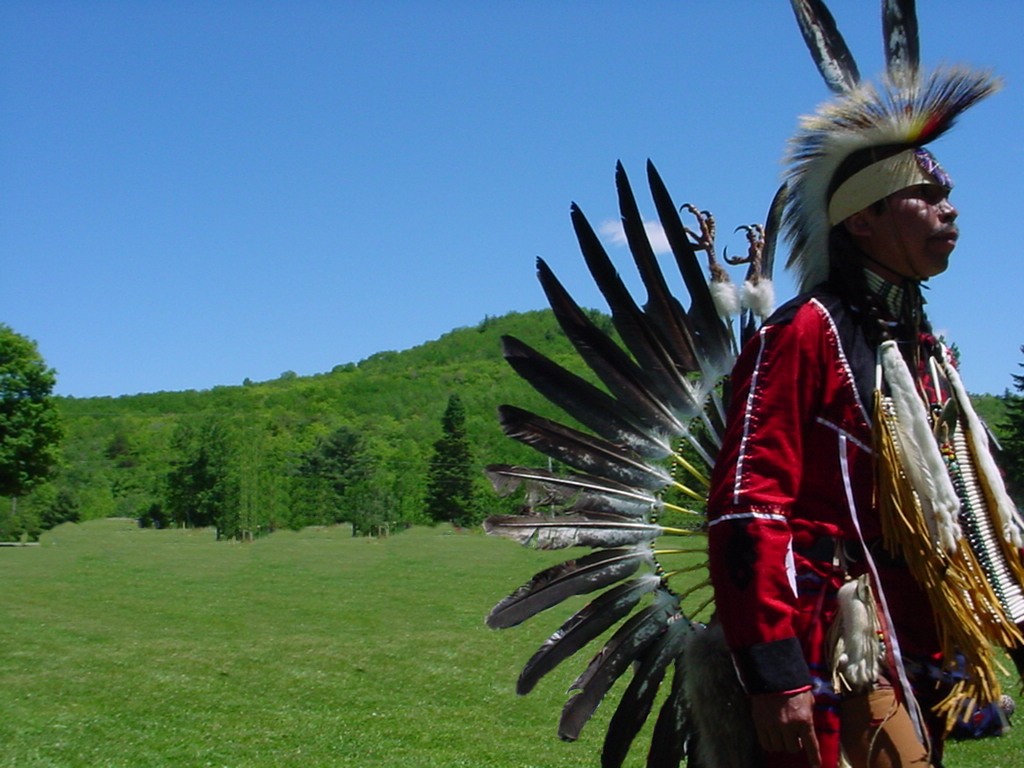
755 245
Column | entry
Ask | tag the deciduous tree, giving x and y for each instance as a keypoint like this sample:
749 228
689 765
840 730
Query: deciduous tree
202 485
30 430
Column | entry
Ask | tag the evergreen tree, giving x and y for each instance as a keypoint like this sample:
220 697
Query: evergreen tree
1012 459
450 495
63 508
338 465
340 460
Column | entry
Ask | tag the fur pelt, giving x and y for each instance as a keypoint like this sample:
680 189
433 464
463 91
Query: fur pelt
719 707
855 638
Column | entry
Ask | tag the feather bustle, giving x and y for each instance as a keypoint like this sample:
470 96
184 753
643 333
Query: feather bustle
586 530
626 381
639 335
575 492
581 450
589 405
583 626
625 646
638 699
673 738
653 394
573 577
713 337
667 315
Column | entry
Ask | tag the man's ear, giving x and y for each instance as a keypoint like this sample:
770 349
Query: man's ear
858 224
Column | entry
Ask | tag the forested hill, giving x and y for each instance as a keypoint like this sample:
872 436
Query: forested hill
119 453
259 449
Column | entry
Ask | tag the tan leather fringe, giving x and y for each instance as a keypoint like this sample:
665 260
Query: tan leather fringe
967 613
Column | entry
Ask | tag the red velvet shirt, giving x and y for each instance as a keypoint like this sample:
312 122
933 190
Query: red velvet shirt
795 476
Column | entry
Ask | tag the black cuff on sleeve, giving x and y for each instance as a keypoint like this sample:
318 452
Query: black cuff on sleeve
773 667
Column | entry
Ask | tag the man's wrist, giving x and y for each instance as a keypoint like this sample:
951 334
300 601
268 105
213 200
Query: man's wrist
773 667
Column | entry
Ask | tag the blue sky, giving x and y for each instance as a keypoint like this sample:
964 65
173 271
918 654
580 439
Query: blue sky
195 193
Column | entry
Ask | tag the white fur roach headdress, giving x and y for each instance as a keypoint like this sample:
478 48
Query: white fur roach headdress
866 143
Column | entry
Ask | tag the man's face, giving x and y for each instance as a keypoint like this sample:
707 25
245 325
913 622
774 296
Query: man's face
913 235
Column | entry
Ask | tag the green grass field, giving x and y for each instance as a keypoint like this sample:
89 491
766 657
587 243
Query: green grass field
128 647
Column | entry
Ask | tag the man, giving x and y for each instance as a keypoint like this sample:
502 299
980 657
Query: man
837 504
798 414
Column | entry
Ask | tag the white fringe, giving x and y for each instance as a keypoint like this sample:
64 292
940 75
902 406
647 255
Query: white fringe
920 452
1005 509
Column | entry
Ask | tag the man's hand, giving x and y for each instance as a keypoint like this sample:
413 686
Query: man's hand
785 723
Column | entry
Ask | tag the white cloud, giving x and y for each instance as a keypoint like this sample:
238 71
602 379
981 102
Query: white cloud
611 231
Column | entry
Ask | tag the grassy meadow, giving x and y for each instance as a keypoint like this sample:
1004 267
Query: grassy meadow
129 647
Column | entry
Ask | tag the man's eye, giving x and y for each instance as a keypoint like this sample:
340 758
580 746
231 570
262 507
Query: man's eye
933 194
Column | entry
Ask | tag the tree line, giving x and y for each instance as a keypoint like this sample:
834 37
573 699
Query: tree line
398 439
395 440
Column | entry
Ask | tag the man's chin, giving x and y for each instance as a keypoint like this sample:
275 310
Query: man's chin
936 265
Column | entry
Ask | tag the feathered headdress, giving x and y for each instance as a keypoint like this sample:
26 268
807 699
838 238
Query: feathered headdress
866 143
